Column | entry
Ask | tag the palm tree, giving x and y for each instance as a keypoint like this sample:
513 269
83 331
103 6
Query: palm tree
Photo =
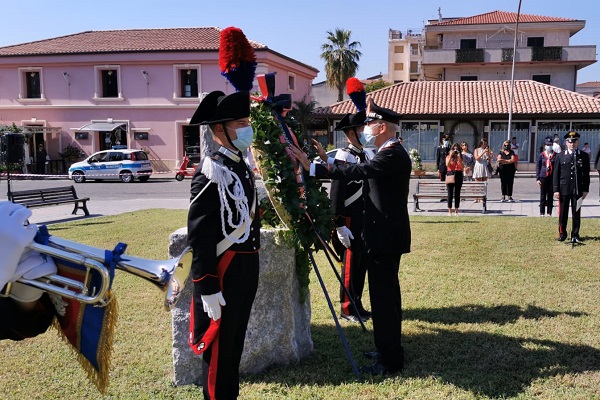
341 59
302 112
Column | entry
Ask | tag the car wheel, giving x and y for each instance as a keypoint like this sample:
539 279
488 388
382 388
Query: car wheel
126 177
78 177
144 178
179 177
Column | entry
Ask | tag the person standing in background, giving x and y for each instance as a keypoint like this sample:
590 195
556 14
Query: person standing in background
469 161
40 159
544 169
597 166
455 165
507 169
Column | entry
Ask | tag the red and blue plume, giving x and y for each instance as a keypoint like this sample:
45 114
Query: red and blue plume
357 93
236 58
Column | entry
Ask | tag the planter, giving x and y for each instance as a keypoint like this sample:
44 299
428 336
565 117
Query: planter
419 172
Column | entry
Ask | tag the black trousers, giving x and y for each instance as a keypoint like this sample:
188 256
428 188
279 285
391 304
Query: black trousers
564 203
546 195
240 283
454 190
507 180
386 306
354 270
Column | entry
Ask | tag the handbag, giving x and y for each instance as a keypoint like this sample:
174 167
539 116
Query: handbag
450 178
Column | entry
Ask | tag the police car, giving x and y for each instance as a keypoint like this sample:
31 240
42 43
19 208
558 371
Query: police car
119 163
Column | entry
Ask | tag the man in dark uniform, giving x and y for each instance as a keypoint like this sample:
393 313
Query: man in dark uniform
347 203
571 182
386 228
440 157
224 233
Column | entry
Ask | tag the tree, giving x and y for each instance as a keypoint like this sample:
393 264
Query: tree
302 112
341 59
376 85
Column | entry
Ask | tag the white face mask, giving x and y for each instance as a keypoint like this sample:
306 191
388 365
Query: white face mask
368 133
245 136
548 149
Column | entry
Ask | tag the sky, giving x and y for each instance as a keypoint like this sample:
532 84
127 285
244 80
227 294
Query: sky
295 29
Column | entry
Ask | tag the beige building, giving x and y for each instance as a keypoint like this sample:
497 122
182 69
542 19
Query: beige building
480 48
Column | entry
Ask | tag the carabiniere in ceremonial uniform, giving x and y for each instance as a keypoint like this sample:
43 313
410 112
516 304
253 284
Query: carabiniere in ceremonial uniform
224 233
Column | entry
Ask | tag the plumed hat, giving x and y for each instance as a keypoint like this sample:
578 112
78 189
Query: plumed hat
356 90
351 121
236 58
216 107
374 112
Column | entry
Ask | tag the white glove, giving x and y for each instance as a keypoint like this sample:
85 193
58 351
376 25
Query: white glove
212 304
344 234
14 238
32 265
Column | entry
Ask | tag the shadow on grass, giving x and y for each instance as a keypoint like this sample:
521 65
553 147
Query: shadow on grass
83 222
485 364
478 314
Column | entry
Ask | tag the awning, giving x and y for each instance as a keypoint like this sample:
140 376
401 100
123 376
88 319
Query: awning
101 126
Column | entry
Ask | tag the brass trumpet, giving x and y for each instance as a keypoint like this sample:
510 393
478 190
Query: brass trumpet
169 275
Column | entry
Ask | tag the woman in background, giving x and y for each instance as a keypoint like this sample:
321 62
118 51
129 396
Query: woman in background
506 167
455 166
468 160
543 173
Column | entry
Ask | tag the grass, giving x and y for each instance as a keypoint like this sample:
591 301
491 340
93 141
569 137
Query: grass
494 308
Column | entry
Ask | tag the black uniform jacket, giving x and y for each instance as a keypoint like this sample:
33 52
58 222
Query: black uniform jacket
205 226
440 157
564 175
385 188
343 189
541 170
17 324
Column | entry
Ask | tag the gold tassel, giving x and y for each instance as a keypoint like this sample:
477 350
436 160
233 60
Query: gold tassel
100 378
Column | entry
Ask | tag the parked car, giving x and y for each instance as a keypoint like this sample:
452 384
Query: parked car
118 163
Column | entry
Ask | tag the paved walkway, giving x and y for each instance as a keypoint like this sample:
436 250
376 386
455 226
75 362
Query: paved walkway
526 204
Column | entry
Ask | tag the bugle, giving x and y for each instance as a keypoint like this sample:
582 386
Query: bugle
169 275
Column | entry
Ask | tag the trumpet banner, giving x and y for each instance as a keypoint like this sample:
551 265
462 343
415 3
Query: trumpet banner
88 329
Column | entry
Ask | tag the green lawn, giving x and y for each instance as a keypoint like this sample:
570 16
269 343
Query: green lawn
494 307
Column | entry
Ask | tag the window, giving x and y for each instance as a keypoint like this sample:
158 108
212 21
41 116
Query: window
115 156
541 78
468 44
398 67
187 81
535 42
468 78
140 135
398 49
108 82
291 81
30 84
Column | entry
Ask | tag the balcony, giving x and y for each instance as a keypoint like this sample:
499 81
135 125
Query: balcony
583 55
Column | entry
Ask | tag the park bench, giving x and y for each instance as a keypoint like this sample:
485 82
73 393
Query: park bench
427 189
49 197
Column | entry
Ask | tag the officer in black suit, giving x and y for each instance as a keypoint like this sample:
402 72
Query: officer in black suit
440 157
224 233
347 202
386 228
571 182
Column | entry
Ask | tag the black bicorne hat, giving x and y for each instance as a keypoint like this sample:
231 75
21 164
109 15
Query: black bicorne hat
351 121
375 112
217 107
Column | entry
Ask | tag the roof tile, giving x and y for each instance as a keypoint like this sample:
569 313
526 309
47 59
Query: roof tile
472 98
500 17
130 40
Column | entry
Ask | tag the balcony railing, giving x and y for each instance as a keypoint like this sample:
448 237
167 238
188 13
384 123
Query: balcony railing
546 53
469 55
584 55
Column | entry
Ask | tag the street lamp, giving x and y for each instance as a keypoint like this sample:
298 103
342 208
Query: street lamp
512 77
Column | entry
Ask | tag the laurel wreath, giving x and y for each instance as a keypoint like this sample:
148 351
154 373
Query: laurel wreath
284 204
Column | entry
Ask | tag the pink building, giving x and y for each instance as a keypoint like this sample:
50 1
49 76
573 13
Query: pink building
131 87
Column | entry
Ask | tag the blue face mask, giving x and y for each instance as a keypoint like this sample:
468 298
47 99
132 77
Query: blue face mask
245 136
362 139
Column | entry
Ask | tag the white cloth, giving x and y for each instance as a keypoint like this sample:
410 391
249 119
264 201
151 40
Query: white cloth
15 236
344 234
212 304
